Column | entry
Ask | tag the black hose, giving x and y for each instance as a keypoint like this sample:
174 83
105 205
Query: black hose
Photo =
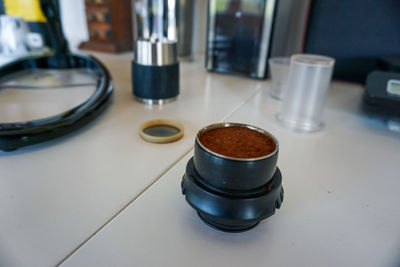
20 134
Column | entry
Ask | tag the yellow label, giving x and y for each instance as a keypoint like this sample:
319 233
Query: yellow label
29 10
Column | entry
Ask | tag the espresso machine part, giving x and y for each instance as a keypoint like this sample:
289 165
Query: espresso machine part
155 72
155 67
239 36
155 53
185 28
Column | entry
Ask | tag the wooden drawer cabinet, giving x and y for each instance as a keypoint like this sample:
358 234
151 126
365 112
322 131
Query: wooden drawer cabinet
109 24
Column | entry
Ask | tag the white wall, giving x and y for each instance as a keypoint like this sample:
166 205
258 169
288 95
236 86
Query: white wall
73 18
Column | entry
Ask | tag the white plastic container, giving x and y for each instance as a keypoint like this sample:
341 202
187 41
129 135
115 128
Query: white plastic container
307 89
279 70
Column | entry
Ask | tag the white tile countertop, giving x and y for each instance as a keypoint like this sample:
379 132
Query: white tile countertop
55 196
341 205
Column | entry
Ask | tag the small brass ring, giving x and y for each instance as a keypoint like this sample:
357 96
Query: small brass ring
161 139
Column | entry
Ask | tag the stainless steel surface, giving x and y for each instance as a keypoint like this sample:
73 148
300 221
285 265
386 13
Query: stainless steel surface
211 33
155 19
266 37
235 124
289 27
266 31
155 101
171 26
185 28
151 53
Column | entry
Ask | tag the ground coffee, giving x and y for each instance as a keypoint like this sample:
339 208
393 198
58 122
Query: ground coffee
237 142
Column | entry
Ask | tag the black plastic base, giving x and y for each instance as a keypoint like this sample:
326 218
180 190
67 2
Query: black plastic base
213 223
231 211
155 82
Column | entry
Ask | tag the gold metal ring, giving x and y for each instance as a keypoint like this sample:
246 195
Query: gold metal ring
175 129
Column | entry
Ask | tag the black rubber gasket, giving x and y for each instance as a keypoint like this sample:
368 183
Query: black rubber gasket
21 134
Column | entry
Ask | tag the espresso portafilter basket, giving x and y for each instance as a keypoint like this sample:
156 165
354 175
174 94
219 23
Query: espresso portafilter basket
155 67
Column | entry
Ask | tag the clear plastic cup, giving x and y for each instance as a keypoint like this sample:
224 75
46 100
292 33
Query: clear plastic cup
279 70
307 89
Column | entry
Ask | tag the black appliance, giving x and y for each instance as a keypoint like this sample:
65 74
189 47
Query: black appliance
357 33
239 36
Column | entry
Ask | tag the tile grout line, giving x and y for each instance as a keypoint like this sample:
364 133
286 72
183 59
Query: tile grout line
123 208
256 91
242 103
